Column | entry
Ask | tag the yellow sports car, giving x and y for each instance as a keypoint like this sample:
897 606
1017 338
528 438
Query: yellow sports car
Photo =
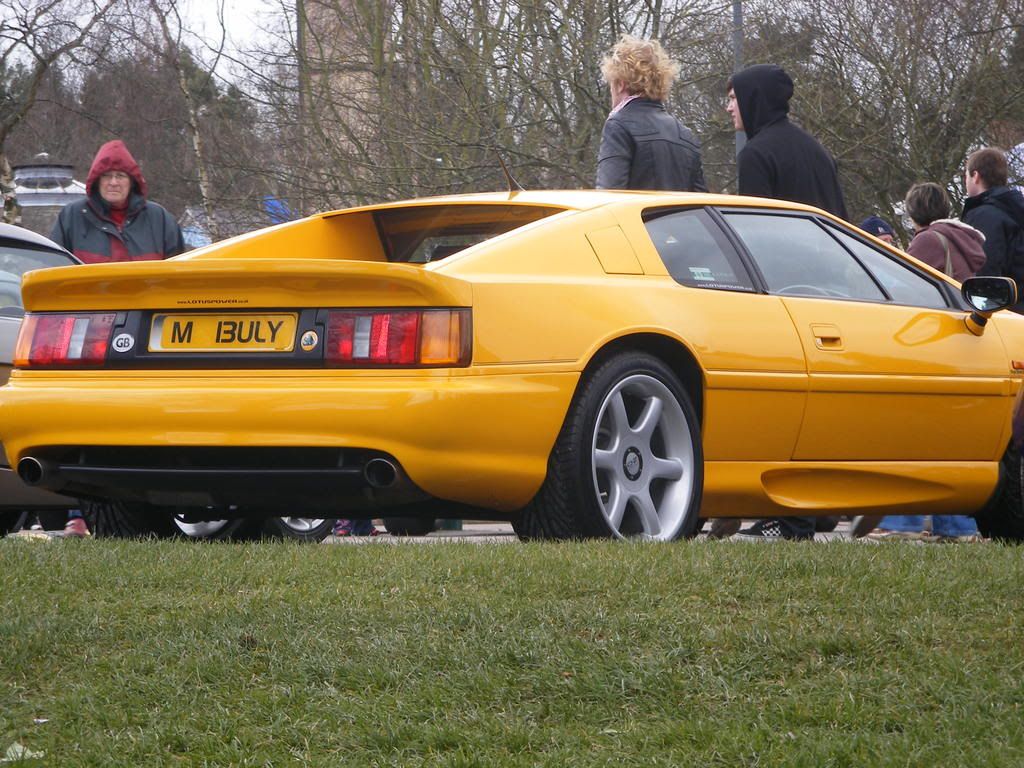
610 364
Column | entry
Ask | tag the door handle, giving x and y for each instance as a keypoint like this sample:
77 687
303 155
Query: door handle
827 337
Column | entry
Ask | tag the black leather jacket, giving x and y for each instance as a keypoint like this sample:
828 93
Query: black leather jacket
644 147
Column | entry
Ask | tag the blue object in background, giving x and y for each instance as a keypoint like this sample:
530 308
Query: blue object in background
277 210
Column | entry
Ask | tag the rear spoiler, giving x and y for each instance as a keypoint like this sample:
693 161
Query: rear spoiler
239 284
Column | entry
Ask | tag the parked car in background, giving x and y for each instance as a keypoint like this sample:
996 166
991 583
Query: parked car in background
581 363
20 251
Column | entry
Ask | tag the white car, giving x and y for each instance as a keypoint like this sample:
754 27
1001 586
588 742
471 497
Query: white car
21 250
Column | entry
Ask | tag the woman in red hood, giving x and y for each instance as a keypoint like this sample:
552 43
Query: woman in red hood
116 222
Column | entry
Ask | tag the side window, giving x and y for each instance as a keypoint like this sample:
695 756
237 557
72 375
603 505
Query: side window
798 258
903 284
695 251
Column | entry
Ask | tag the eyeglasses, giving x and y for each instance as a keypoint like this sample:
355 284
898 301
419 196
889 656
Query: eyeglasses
115 176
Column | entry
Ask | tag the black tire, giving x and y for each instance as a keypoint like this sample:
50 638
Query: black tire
410 526
1003 517
601 456
305 529
128 520
9 522
53 520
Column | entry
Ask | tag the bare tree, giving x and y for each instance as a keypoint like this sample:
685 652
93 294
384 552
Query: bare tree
35 36
167 16
900 92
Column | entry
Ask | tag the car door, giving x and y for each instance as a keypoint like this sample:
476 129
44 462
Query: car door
894 374
755 373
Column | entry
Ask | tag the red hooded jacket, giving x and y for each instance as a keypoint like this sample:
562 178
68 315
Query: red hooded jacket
87 228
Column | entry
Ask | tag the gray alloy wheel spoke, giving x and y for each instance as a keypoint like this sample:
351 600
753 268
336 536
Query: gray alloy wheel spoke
649 420
606 460
616 505
619 426
666 469
648 513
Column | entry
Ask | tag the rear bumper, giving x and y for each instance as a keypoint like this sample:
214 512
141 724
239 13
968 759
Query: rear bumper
15 495
479 439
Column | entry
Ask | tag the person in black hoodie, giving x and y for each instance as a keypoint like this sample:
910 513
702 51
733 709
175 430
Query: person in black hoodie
642 145
998 212
780 159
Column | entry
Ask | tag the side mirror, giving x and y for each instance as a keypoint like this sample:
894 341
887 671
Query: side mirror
987 295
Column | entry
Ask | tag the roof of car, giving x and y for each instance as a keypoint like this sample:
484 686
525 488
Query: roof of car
27 236
579 199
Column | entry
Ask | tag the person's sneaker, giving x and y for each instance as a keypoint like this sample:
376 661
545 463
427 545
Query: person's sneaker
344 527
770 530
75 528
880 534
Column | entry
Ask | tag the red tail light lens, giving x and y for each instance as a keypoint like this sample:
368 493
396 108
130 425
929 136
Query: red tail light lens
404 338
63 340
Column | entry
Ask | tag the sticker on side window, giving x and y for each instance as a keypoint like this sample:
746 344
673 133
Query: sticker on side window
702 274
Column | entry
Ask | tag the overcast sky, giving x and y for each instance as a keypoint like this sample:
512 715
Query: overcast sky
243 19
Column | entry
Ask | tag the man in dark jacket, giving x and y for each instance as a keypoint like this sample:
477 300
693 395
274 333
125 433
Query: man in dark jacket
115 223
642 145
998 212
780 159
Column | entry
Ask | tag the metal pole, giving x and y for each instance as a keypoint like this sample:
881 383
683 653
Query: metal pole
737 56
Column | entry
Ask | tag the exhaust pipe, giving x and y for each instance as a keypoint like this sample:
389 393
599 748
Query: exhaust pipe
380 473
32 471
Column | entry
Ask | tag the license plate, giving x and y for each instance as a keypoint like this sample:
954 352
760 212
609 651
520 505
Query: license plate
223 333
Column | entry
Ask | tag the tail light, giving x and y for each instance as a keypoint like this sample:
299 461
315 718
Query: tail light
63 340
403 338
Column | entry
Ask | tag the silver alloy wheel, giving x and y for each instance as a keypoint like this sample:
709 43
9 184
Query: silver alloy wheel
643 460
302 524
208 529
202 530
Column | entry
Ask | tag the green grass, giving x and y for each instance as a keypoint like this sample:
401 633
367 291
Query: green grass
712 654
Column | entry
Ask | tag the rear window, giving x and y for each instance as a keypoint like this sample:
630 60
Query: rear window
429 233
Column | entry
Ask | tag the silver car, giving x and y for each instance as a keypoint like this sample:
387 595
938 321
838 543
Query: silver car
21 250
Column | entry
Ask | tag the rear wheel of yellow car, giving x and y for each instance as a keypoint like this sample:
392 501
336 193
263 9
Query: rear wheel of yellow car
209 530
1003 517
628 462
308 529
127 520
133 520
9 522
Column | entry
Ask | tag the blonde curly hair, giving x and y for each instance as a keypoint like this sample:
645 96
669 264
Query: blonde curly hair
642 66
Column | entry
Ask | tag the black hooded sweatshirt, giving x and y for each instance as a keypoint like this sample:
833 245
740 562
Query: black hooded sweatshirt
998 213
781 160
